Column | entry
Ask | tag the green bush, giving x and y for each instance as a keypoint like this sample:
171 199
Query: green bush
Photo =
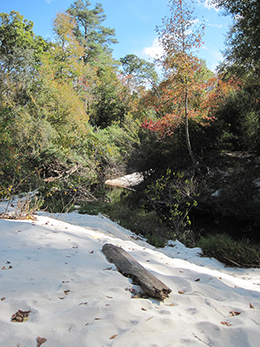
172 196
58 199
237 121
230 252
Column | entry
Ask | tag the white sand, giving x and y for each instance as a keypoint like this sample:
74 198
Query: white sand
41 260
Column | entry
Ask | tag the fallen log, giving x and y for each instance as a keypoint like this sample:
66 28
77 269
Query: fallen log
129 267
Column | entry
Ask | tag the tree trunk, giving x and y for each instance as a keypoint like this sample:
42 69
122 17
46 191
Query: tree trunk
129 267
187 134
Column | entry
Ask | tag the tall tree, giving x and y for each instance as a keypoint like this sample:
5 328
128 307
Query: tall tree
110 103
17 33
140 70
243 40
65 84
168 101
20 52
67 51
137 75
90 32
180 37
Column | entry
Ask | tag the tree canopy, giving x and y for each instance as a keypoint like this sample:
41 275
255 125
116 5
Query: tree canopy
140 70
182 67
69 96
89 30
243 41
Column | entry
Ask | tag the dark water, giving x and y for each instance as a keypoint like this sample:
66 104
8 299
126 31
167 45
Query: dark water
237 229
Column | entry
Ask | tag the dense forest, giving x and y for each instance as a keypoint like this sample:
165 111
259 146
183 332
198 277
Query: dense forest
71 117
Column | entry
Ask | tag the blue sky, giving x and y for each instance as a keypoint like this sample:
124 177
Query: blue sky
134 22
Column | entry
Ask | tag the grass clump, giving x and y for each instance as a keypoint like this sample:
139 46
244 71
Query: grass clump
24 207
241 253
57 200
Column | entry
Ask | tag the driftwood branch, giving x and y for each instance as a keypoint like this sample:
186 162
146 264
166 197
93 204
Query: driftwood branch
129 267
61 174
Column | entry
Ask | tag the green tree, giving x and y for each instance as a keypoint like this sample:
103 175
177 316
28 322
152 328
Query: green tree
111 99
140 70
95 37
16 33
138 75
65 82
243 40
20 52
67 51
242 59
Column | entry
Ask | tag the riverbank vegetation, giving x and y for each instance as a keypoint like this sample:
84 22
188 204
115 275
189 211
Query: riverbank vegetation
71 117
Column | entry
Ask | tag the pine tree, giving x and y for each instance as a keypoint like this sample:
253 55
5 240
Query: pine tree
90 32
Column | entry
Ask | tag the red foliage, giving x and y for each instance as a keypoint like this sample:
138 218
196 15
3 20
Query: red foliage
204 99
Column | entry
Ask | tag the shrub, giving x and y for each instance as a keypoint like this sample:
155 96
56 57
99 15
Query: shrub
59 200
237 121
173 196
159 154
230 252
